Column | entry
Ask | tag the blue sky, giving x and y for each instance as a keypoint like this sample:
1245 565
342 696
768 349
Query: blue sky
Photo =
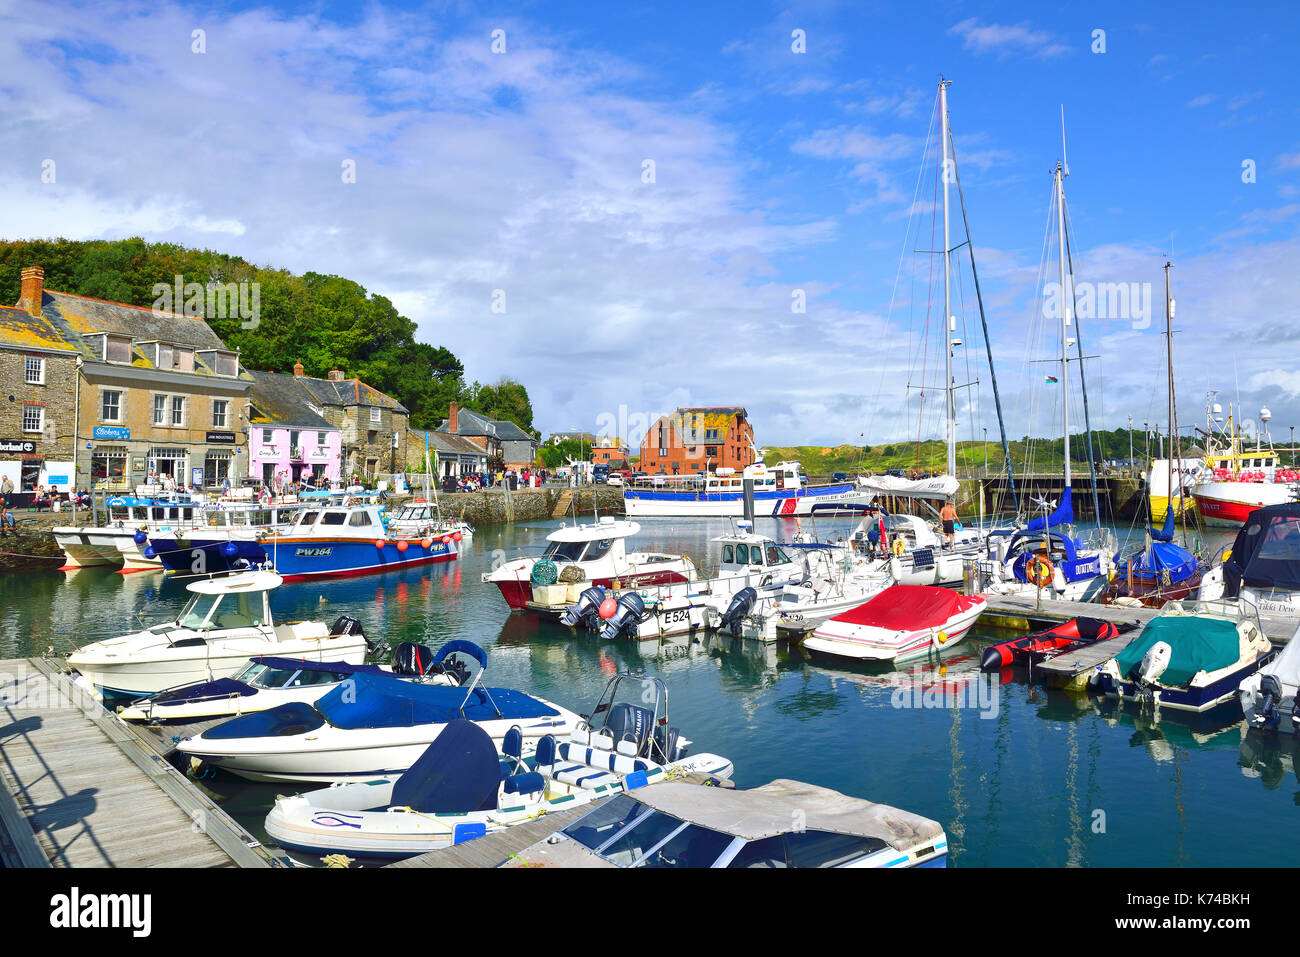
774 172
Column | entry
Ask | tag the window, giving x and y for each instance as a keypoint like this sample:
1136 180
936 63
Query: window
216 468
110 406
728 554
824 849
320 439
165 360
594 829
33 418
227 364
117 349
293 439
178 410
769 852
267 438
220 412
160 410
692 846
334 518
742 554
359 519
183 359
35 371
374 415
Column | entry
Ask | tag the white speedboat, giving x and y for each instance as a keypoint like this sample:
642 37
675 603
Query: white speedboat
1194 656
269 681
458 789
368 727
1268 697
579 556
902 622
781 824
226 622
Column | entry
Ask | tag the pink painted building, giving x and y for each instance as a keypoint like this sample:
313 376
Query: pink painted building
289 438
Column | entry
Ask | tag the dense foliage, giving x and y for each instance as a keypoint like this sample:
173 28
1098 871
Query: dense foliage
327 322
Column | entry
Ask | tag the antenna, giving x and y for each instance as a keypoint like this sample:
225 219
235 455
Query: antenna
1065 165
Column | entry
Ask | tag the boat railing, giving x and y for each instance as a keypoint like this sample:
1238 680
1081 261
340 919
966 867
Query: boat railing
1237 609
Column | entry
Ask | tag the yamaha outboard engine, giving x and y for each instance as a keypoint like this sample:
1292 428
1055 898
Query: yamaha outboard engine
627 722
1267 713
740 606
587 610
627 616
412 659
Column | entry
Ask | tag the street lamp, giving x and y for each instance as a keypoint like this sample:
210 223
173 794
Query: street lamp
1293 445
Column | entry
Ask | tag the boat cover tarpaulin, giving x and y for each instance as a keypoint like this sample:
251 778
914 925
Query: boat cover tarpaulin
376 701
1063 515
1197 643
1165 556
940 486
769 810
458 773
909 607
329 667
1266 552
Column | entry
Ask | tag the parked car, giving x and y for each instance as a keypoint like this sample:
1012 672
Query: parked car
840 477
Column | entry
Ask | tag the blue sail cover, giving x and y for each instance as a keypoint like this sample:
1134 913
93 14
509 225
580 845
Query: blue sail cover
1165 556
1064 515
1166 533
378 701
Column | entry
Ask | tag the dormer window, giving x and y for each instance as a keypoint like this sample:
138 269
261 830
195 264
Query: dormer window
227 364
182 359
117 349
163 359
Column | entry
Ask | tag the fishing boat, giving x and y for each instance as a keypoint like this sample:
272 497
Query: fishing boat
1048 642
579 556
902 622
369 727
781 824
228 537
779 490
123 539
461 788
1191 658
269 681
1240 480
226 621
1268 698
1262 569
335 541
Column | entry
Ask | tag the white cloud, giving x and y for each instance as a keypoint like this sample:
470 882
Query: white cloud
1005 40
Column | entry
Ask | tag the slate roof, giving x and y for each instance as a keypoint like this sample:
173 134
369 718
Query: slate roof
349 392
445 442
469 422
20 329
280 401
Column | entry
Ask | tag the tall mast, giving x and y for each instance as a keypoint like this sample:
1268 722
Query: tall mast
1169 351
949 320
1066 296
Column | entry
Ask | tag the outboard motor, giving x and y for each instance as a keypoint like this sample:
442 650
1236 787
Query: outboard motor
627 616
412 659
627 722
587 610
1154 662
346 625
668 741
740 606
1270 693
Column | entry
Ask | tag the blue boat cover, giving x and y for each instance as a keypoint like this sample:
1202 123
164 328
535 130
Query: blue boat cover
1166 533
459 772
1198 644
380 701
1160 557
461 645
1063 515
288 719
221 688
332 667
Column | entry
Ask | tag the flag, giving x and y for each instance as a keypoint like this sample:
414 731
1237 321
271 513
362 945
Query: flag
1051 379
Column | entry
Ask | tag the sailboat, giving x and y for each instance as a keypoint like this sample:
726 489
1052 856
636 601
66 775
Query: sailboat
1161 569
1045 557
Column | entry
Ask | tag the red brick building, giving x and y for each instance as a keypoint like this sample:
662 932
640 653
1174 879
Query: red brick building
698 440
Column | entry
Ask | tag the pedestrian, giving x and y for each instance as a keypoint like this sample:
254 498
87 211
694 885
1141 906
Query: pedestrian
949 518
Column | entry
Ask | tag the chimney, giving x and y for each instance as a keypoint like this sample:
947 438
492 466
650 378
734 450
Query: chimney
336 375
297 369
32 293
453 418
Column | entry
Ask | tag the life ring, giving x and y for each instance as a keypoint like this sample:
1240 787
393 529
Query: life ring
899 546
1039 571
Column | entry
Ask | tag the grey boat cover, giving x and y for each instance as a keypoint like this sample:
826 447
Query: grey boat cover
769 810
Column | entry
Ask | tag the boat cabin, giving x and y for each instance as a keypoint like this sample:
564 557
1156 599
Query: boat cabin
222 604
356 521
124 512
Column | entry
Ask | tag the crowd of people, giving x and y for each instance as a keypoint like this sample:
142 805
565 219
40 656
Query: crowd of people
515 478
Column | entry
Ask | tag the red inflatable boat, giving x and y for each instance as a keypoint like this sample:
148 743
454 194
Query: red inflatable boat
1047 642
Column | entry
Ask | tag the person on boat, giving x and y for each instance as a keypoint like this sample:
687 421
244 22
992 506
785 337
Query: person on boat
948 516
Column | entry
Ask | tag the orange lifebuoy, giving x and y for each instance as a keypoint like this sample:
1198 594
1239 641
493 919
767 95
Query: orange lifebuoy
1039 571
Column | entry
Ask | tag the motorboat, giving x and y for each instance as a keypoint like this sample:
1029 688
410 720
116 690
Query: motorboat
1262 569
369 726
796 609
1268 697
781 824
579 556
225 622
914 550
1049 642
779 490
461 788
228 536
270 681
1194 656
421 517
123 539
334 541
902 622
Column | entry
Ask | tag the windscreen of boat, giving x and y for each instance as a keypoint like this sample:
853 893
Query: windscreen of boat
238 611
692 846
565 551
606 822
775 555
1276 560
195 612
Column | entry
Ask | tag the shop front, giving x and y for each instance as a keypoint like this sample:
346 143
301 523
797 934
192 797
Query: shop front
23 462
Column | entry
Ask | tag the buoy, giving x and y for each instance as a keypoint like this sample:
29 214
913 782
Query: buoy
446 539
380 543
140 538
943 637
229 549
401 546
456 536
150 552
426 541
608 607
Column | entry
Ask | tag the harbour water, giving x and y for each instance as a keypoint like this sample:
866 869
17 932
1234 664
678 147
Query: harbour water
1017 776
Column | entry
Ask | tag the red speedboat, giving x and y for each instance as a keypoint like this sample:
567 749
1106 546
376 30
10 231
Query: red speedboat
1047 643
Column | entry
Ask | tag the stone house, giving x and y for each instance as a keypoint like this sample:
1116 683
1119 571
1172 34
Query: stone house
505 443
373 425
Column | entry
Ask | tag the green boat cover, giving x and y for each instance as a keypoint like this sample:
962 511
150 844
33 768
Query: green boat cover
1199 644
